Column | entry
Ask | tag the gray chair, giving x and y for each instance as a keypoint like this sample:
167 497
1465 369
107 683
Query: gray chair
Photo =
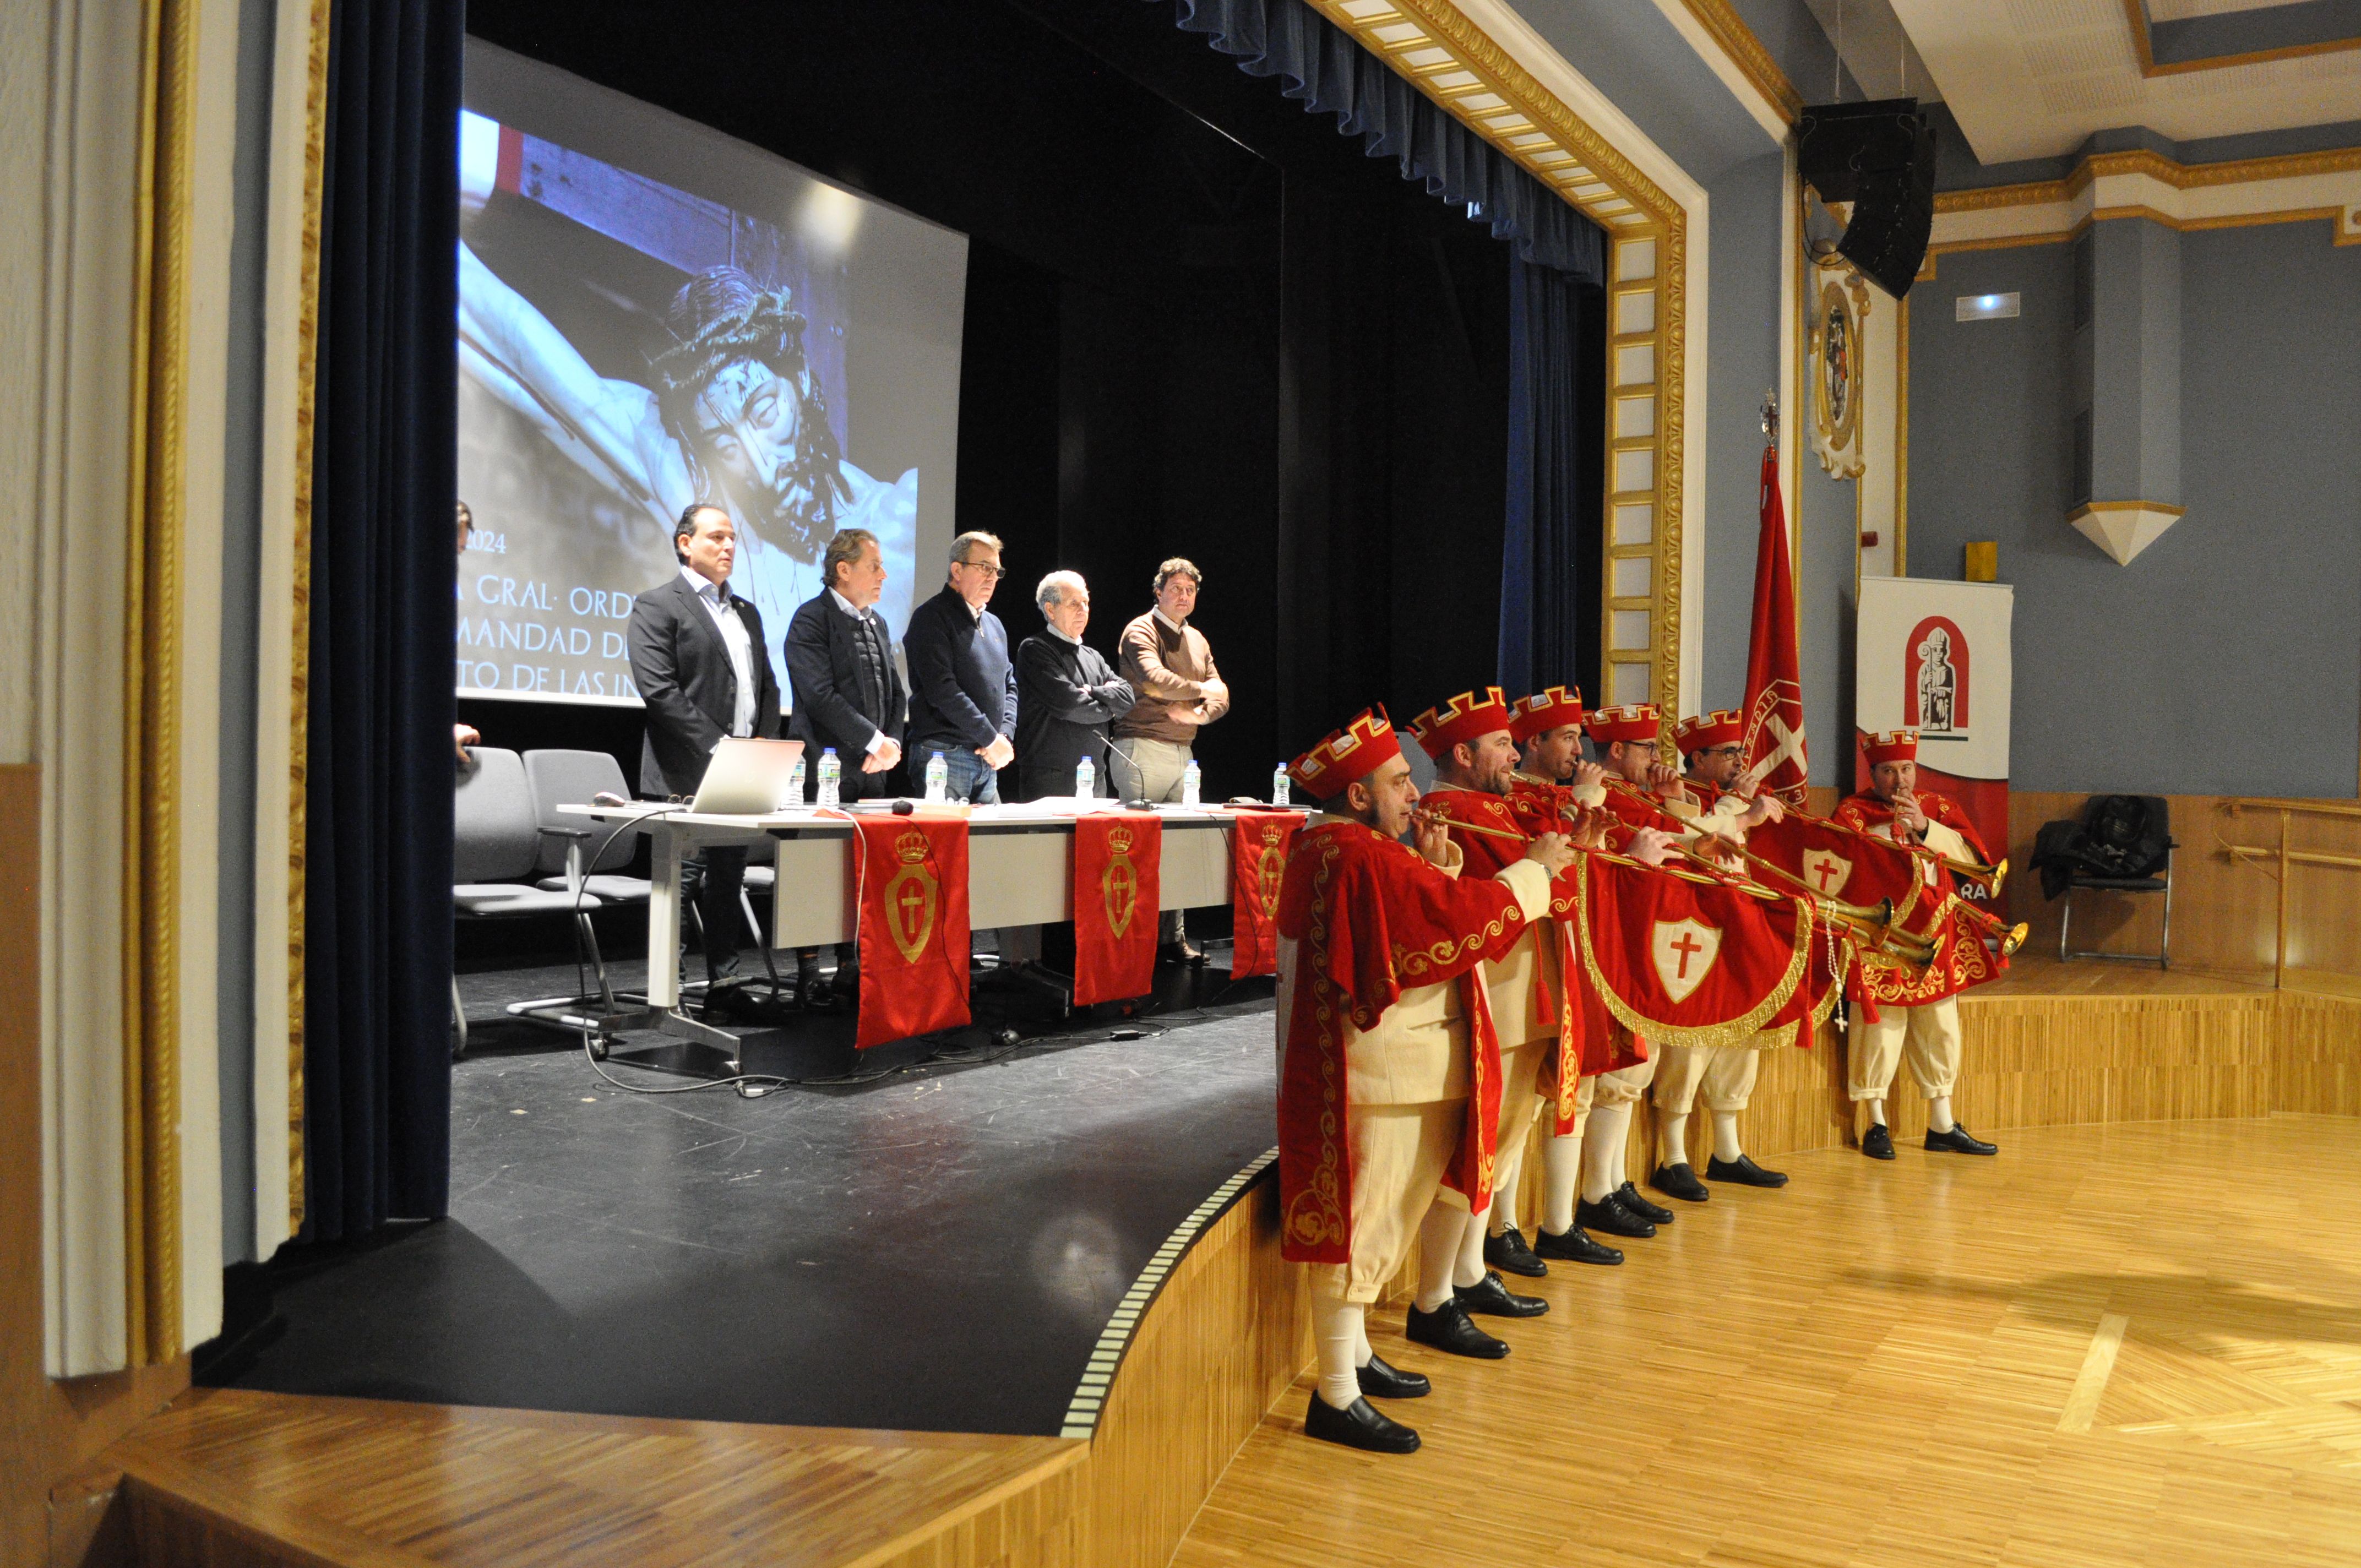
496 852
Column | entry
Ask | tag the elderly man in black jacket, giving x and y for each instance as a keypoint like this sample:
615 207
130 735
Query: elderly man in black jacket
1066 694
963 687
698 658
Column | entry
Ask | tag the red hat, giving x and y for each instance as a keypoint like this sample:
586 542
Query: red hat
1353 753
1890 746
1634 721
1704 733
1545 709
1466 717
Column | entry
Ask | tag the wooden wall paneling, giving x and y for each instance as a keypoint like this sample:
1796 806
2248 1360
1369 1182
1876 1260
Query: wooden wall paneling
1216 1349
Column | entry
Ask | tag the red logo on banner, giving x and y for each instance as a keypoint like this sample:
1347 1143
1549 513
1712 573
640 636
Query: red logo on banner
1118 861
1258 842
1935 678
912 873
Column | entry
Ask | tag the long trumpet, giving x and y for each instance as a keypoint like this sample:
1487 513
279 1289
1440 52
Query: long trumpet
1986 877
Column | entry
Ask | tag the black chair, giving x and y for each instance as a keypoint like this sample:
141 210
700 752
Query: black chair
2123 844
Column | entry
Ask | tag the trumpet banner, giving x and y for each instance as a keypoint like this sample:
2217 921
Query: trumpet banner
1687 962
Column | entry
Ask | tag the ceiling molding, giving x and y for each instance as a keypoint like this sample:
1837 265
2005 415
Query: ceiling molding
2144 45
1721 38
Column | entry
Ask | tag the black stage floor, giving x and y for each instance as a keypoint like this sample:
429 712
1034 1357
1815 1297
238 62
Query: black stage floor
938 1249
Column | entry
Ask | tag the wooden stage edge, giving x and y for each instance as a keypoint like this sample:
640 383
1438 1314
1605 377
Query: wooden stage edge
1216 1334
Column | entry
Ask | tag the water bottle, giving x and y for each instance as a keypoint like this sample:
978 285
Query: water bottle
1193 779
939 777
831 773
1086 779
1279 785
794 783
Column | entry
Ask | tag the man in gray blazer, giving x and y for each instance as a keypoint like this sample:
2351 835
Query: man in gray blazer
698 658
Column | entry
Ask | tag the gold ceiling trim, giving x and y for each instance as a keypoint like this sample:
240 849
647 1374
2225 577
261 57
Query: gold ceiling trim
1721 21
2143 46
2180 176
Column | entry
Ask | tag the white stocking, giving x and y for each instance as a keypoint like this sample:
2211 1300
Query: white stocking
1876 1112
1725 1137
1602 1150
1337 1333
1505 1176
1470 1270
1671 1137
1438 1254
1561 1181
1939 1115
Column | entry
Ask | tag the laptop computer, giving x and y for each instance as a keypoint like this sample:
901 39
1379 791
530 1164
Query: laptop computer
746 777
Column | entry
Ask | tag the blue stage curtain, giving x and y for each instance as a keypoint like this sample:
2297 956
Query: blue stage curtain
1330 73
1556 399
376 924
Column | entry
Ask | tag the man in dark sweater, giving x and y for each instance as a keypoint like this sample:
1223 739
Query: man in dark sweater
963 687
1066 694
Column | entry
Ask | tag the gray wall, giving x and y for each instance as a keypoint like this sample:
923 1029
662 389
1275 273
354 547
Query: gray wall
2226 658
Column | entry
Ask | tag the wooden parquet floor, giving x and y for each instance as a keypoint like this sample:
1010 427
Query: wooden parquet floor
2120 1346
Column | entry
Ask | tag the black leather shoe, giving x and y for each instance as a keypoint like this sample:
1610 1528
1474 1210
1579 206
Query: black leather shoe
1744 1172
1509 1252
1959 1140
1379 1381
1491 1297
1576 1246
1610 1217
1877 1143
1449 1328
1358 1425
1183 951
1680 1181
1628 1196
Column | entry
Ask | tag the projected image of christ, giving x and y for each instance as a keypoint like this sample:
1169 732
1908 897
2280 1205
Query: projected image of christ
716 389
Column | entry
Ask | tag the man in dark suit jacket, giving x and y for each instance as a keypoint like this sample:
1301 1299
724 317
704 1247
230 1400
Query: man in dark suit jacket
848 694
1066 694
698 658
963 687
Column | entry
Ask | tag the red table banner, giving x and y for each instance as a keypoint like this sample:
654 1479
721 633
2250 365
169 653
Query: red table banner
1259 841
912 874
1118 890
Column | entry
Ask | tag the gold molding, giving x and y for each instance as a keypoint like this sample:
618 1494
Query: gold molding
151 883
299 664
2334 216
2139 160
2143 46
1745 50
2088 508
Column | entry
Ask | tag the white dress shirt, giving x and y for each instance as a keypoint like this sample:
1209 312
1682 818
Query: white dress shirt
714 598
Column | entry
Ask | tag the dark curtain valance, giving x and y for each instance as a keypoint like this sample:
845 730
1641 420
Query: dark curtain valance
1331 75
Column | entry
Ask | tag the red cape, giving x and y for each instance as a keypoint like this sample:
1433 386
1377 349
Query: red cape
1961 959
1370 918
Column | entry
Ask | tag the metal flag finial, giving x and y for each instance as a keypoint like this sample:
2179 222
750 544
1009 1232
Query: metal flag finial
1771 416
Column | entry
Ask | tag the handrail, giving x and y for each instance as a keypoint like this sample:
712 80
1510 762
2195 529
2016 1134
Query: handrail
2238 803
2249 853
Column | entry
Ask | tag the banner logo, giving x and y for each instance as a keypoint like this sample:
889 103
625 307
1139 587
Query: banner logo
911 898
1119 883
1683 951
1827 873
1935 667
1270 871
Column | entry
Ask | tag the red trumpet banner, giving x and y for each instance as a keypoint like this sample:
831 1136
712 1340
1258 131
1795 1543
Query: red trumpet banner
912 877
1685 962
1259 841
1118 890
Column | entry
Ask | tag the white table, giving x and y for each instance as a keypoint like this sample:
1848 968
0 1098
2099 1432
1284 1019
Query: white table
1019 873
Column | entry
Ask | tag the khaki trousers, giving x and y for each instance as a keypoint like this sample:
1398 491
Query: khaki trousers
1399 1152
1928 1036
1142 769
1625 1086
1726 1073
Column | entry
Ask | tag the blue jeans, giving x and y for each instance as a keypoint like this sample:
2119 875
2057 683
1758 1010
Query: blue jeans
970 781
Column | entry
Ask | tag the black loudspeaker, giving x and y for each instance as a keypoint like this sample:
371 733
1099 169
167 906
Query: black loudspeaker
1879 156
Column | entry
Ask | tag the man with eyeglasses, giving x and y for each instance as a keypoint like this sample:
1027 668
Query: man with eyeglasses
1715 752
963 687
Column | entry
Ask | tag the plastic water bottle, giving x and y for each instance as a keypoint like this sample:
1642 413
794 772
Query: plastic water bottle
1086 779
795 784
939 777
831 774
1192 781
1279 785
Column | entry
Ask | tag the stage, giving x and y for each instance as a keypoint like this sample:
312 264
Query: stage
700 1314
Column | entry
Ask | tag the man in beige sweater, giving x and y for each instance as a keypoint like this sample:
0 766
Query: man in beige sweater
1167 663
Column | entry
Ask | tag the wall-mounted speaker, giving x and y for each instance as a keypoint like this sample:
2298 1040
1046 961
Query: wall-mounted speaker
1879 156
